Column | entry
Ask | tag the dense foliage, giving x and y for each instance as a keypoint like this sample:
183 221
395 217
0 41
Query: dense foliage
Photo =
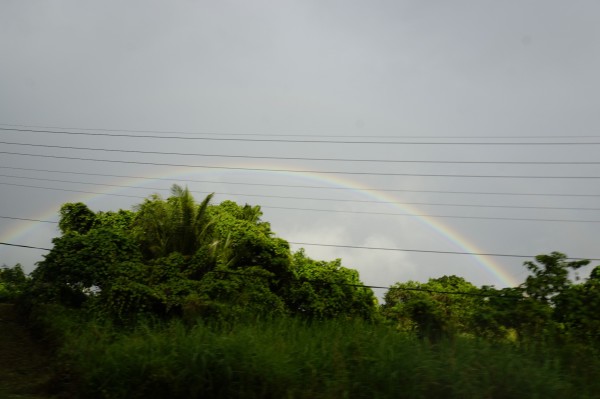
294 358
173 257
13 282
185 299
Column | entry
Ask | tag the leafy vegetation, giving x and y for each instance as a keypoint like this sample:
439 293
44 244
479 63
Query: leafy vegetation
183 299
171 258
287 357
13 282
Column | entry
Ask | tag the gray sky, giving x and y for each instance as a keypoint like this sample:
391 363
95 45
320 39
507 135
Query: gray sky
395 71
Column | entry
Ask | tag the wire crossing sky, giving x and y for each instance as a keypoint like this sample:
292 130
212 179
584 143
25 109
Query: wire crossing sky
467 143
382 189
337 172
9 127
157 189
305 158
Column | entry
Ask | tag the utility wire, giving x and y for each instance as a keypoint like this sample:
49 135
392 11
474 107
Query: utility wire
436 216
394 249
338 211
28 220
426 251
381 189
293 135
300 170
304 158
301 280
323 282
71 190
24 246
306 198
145 136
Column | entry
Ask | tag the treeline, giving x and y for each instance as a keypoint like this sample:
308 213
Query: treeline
118 286
176 258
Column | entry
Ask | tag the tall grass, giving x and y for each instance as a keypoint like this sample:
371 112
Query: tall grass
289 358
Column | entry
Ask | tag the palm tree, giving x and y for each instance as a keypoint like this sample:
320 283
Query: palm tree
174 225
190 221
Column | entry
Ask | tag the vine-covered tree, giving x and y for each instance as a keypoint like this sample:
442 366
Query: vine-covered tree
169 256
76 218
438 308
328 290
13 282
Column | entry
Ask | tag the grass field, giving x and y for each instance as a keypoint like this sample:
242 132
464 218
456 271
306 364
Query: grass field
287 358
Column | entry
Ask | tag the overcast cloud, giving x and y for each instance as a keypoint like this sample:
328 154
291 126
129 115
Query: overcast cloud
420 71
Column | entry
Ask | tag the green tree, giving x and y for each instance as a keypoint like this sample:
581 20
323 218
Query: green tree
327 290
439 308
158 287
227 295
80 264
549 276
576 307
547 306
173 225
171 256
76 218
548 289
13 282
191 221
121 220
508 314
249 241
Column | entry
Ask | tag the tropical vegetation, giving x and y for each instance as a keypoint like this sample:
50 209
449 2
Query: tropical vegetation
176 298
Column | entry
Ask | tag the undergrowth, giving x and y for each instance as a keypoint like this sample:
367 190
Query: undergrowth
290 358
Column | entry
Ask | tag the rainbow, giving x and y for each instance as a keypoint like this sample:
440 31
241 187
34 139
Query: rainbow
452 236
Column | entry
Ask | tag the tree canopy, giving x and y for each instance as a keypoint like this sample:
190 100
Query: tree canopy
177 257
174 256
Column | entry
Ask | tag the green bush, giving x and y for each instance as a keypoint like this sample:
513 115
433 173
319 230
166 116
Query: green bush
13 283
297 359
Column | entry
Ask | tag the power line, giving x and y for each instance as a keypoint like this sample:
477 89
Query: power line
436 216
323 282
71 190
300 170
28 220
304 158
227 272
362 142
293 135
338 211
380 189
385 249
426 251
25 246
302 198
